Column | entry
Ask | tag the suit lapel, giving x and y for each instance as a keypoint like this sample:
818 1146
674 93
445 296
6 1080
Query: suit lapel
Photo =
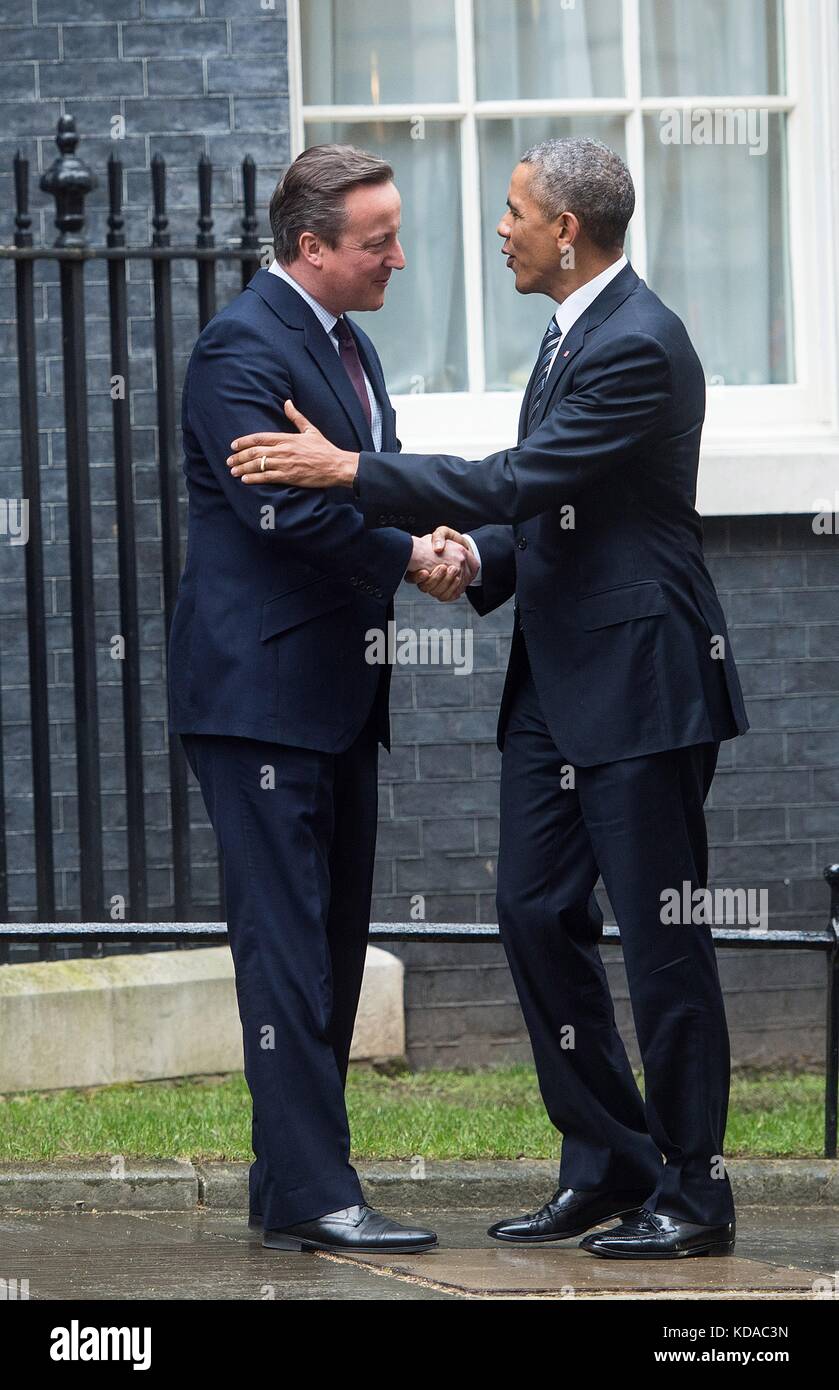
372 367
318 345
292 308
525 405
600 308
368 362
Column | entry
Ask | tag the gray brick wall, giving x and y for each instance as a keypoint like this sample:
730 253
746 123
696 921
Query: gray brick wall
194 76
187 77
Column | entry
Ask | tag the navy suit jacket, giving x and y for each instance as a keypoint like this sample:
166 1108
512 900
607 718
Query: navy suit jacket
280 584
596 532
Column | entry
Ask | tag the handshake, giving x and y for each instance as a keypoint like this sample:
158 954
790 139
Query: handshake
442 564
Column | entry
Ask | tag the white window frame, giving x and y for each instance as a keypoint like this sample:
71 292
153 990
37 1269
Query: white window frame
772 448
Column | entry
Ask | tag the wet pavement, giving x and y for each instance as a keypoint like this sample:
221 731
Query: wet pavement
781 1253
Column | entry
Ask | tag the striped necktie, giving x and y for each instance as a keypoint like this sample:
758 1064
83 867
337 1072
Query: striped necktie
553 333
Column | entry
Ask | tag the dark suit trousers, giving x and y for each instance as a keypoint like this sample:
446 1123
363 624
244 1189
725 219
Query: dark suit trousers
298 874
640 823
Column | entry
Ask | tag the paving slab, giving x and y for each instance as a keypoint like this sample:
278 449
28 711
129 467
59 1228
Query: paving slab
563 1272
781 1253
128 1256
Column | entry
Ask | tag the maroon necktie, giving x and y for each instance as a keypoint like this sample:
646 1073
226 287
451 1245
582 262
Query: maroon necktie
348 353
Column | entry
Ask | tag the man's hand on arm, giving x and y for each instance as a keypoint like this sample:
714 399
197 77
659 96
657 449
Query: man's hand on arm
305 459
442 565
233 382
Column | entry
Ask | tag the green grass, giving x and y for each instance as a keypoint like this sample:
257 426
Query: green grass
436 1114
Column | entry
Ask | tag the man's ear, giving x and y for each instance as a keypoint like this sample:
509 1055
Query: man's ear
566 230
310 248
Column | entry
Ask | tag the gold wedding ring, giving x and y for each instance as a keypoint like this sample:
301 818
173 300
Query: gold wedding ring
262 463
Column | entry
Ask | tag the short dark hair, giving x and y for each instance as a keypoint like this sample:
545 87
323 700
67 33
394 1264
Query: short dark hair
310 195
585 177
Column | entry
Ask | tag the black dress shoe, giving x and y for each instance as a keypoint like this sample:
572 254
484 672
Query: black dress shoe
352 1229
569 1212
651 1235
254 1222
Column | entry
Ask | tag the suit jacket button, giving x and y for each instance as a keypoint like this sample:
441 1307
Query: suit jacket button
522 542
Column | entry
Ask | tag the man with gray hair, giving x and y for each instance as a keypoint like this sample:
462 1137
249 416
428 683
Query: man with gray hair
620 687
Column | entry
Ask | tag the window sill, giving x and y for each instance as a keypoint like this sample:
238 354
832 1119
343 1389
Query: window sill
743 473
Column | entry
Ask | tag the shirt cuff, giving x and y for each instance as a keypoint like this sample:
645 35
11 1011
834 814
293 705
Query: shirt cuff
476 552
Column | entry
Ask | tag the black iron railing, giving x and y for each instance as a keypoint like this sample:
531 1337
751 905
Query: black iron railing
69 182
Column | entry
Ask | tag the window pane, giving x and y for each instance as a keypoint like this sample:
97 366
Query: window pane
420 332
712 47
367 52
717 237
527 49
514 323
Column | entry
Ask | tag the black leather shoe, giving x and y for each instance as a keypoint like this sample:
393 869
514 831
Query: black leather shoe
569 1212
254 1222
650 1235
352 1229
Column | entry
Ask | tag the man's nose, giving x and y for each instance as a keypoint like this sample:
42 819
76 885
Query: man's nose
397 259
503 229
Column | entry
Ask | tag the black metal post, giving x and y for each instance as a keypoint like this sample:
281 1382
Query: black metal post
206 310
34 559
69 181
205 238
126 539
167 458
831 1063
250 239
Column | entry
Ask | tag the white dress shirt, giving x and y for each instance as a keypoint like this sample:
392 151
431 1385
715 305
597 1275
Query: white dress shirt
566 316
578 301
328 321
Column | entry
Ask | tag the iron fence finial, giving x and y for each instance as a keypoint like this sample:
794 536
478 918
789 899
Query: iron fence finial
69 181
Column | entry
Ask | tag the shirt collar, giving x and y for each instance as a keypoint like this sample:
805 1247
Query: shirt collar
576 303
325 317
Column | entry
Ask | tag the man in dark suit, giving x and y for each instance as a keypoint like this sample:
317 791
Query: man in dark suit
620 687
278 708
